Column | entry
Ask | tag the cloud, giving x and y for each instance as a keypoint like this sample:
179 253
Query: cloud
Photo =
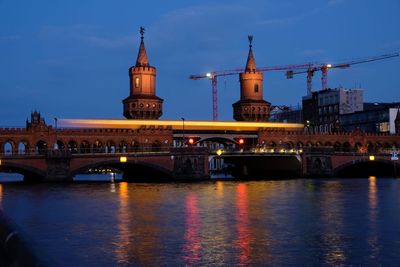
85 34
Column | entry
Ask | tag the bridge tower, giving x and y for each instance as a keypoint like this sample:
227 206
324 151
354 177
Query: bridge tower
251 106
142 103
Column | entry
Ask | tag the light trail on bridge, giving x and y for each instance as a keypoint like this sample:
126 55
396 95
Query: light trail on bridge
174 124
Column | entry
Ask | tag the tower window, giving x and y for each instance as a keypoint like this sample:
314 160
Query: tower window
137 80
256 88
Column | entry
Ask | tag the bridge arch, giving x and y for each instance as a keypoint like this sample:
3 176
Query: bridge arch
9 147
133 169
30 173
23 147
366 168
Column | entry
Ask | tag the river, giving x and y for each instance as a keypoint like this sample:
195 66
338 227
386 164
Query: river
301 222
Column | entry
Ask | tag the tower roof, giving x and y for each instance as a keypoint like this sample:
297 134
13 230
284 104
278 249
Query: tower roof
142 59
251 62
398 115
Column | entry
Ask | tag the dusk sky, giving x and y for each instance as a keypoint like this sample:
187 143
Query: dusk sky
70 59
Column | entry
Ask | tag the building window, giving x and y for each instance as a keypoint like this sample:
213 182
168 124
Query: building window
137 80
256 88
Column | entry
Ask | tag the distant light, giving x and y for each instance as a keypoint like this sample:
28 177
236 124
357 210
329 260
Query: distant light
219 152
329 65
208 75
241 141
123 159
371 157
300 150
0 161
191 141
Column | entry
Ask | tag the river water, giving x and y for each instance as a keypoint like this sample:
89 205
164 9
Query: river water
302 222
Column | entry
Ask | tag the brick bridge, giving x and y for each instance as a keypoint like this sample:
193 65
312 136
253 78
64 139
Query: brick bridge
161 149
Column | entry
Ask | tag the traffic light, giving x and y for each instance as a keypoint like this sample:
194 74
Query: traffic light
192 140
239 141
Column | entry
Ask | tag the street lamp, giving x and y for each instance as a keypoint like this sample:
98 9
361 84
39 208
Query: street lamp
183 131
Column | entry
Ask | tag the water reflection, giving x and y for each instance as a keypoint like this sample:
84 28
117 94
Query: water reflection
124 225
242 243
192 247
333 241
372 215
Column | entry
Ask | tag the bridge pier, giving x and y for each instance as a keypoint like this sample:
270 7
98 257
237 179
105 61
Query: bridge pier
190 163
58 166
317 165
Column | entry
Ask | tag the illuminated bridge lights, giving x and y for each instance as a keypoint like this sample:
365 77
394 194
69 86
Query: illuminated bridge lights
176 125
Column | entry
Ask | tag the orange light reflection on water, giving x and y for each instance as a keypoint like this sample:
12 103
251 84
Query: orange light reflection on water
373 213
242 243
123 239
192 246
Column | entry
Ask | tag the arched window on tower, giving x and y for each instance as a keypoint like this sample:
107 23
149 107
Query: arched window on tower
256 88
137 81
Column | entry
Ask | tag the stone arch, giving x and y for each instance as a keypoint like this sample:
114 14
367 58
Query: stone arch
337 146
23 147
289 145
84 147
370 147
309 144
97 146
73 146
60 144
123 146
358 147
346 147
41 147
378 147
30 173
318 143
135 145
8 147
365 168
110 147
387 147
299 145
156 145
328 144
129 166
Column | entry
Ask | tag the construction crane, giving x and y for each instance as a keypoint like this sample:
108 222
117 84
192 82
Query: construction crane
214 74
308 68
324 67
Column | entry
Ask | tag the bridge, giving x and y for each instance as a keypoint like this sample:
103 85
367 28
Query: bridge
188 149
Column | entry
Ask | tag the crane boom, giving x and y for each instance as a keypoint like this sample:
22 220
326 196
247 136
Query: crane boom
308 68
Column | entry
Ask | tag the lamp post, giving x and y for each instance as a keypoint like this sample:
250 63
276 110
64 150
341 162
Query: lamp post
183 131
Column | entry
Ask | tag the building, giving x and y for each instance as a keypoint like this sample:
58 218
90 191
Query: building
286 114
321 110
142 102
251 106
375 118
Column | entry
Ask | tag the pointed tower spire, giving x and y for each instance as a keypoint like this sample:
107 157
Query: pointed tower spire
142 60
142 102
251 62
251 106
397 121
